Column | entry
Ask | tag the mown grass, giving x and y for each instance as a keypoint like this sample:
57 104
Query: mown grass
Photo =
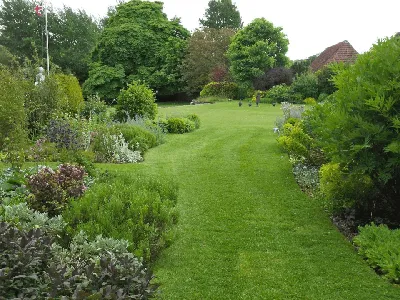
246 231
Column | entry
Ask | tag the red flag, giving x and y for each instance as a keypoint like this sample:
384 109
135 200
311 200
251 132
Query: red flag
39 10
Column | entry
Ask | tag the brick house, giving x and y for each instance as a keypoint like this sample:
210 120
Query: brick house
341 52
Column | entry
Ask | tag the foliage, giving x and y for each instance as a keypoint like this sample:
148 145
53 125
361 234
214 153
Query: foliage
7 59
12 112
24 218
359 128
278 94
302 66
42 104
310 101
24 258
305 86
295 141
179 125
205 58
110 146
221 89
194 118
94 107
104 81
136 100
51 190
273 77
70 99
343 190
149 47
325 79
307 177
64 135
139 210
74 34
380 247
221 14
255 49
32 266
138 138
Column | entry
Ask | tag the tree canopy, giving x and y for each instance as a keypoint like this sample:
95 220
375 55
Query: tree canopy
72 34
205 58
221 14
255 49
139 37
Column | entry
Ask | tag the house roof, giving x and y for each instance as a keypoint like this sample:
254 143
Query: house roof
341 52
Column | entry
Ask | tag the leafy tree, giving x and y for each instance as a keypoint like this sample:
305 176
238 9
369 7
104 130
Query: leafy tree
221 14
139 37
305 86
72 34
255 49
75 35
105 81
301 66
205 59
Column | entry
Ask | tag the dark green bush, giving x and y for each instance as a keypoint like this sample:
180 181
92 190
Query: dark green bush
127 206
305 86
136 100
380 247
221 89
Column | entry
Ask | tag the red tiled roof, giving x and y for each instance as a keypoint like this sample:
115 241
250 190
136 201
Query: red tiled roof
341 52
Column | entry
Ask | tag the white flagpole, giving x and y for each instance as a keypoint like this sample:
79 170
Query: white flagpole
47 39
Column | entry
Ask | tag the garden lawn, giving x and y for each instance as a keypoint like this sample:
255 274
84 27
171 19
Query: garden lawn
246 231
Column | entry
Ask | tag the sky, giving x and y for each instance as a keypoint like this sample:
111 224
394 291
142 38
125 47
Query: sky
310 25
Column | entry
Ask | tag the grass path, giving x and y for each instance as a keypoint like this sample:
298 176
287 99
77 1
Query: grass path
246 231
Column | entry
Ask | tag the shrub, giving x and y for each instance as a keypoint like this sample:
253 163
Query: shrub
12 112
70 99
94 107
33 267
343 190
63 135
295 141
179 125
310 101
51 190
307 177
305 86
23 257
380 247
111 146
136 100
325 80
278 94
221 89
194 118
138 138
139 210
360 128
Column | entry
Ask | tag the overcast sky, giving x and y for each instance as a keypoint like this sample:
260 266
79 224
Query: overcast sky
310 25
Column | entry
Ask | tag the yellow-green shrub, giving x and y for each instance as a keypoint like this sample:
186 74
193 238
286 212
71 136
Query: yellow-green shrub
70 98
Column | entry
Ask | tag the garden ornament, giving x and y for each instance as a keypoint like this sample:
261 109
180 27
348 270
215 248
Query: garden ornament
40 76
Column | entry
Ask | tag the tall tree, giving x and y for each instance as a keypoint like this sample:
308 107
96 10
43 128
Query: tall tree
256 49
205 58
139 37
73 34
221 14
